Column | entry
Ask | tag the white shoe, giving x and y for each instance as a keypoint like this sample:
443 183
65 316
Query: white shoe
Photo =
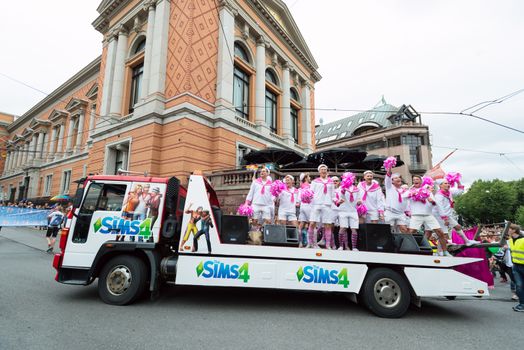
355 249
471 242
321 242
446 253
309 246
340 248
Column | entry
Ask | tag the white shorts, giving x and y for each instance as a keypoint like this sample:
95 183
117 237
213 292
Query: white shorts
322 213
372 215
305 213
452 223
261 212
395 219
346 220
428 221
287 216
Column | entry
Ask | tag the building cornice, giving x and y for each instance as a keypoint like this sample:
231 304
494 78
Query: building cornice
51 99
107 10
303 53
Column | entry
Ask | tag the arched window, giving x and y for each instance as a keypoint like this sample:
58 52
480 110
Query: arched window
139 46
136 71
241 84
294 114
271 103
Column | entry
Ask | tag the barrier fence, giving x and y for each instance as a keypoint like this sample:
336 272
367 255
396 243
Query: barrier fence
13 216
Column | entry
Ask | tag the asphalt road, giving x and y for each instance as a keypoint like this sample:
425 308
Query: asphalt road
38 313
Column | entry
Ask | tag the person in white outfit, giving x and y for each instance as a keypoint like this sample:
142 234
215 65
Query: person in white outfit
305 208
371 195
396 206
444 210
260 197
321 212
288 201
346 202
421 212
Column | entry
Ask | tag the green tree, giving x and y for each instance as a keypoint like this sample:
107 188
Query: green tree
519 216
488 202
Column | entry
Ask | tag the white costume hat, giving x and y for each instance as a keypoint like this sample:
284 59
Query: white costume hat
439 181
322 166
395 175
290 176
368 172
302 176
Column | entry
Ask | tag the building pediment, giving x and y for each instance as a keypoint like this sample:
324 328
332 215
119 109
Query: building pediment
278 14
75 104
35 123
93 92
57 115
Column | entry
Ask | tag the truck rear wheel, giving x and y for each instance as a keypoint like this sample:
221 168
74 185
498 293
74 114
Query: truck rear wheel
122 280
386 293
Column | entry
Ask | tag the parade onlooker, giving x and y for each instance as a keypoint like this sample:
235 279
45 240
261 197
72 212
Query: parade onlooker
55 221
516 246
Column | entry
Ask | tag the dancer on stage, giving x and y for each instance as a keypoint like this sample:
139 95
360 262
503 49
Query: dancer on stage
288 202
260 197
305 208
444 211
373 198
421 202
321 212
396 206
346 200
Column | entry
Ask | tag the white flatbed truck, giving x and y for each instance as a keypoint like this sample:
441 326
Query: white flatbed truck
128 232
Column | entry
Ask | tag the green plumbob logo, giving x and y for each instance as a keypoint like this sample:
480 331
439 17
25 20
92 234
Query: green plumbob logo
116 225
319 275
217 269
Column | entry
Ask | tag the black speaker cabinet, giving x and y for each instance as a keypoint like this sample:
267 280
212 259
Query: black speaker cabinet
234 229
375 238
412 244
280 235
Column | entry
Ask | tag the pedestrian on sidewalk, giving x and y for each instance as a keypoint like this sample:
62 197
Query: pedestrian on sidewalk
516 246
55 221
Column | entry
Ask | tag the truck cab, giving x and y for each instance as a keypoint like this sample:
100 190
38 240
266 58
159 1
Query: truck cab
135 233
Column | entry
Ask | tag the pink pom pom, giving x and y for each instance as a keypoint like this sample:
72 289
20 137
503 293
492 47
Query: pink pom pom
362 209
245 210
422 194
452 178
306 196
427 181
347 180
277 187
390 162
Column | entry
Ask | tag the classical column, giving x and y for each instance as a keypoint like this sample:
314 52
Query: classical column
32 149
225 65
92 116
157 77
59 148
51 150
118 77
108 75
306 117
286 102
80 131
150 7
25 150
69 137
39 145
260 82
7 161
17 157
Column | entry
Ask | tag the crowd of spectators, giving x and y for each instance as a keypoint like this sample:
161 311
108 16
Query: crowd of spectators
27 204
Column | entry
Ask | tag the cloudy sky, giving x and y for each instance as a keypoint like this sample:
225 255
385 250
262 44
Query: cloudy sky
437 55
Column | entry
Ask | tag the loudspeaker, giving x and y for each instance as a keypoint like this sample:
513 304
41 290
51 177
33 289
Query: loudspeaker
375 238
234 229
412 244
280 235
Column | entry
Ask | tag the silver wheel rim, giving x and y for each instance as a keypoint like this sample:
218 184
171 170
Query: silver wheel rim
387 293
118 280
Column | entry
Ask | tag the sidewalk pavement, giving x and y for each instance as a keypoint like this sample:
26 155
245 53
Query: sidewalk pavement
32 237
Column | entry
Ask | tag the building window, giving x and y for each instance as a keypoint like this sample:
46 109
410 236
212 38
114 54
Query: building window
241 93
117 157
271 103
241 152
47 185
241 81
294 124
271 111
414 142
66 181
136 85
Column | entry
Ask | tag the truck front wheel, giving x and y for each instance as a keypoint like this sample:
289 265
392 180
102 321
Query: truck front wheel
386 293
122 280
